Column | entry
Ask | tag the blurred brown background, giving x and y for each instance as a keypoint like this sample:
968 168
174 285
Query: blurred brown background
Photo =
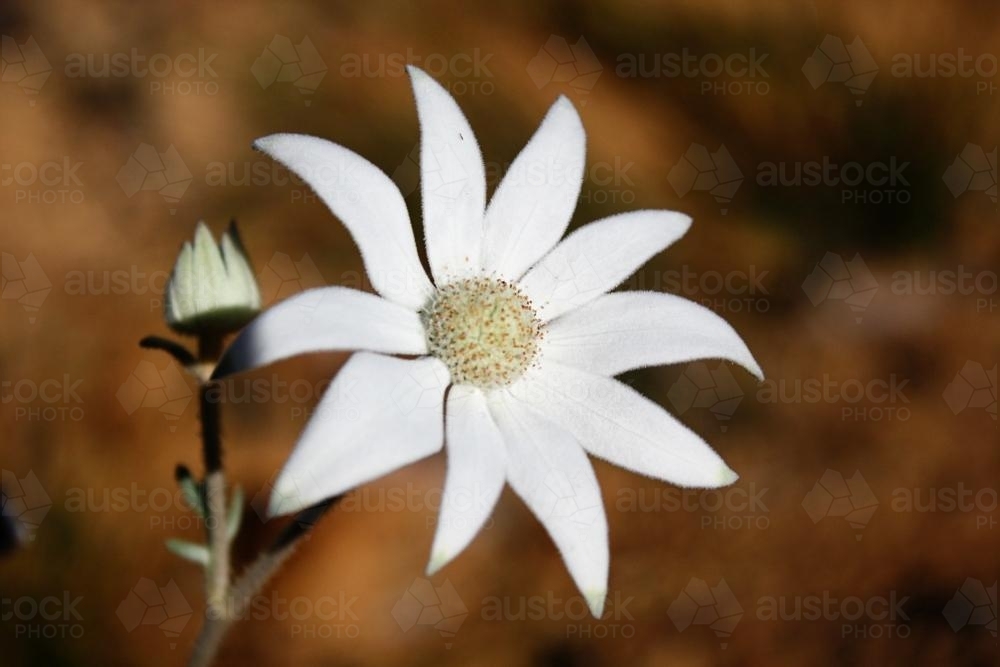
862 495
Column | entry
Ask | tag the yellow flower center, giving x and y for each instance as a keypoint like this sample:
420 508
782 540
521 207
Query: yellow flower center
485 330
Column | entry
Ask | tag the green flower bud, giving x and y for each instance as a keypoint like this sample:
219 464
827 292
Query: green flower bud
212 289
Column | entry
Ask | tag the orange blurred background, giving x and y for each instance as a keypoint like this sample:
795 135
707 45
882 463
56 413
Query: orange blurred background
872 501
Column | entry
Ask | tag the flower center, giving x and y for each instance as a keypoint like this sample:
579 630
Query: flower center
484 330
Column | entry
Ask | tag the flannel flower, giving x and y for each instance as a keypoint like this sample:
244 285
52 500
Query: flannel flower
515 338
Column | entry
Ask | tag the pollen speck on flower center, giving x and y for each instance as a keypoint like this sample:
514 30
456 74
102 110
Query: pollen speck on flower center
484 329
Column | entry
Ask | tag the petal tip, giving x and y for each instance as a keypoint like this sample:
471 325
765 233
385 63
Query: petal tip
595 601
438 560
285 499
726 476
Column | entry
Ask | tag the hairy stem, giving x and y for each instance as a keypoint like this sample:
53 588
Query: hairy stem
217 574
252 581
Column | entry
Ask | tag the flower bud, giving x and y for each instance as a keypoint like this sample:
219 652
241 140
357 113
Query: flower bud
212 289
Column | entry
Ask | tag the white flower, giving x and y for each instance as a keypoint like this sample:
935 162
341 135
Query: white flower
212 288
516 339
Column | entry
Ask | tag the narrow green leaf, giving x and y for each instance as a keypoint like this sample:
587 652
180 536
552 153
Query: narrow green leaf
196 553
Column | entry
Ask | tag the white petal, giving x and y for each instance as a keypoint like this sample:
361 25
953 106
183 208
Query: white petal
547 468
626 330
614 422
370 206
379 414
323 320
477 465
533 204
597 257
452 181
